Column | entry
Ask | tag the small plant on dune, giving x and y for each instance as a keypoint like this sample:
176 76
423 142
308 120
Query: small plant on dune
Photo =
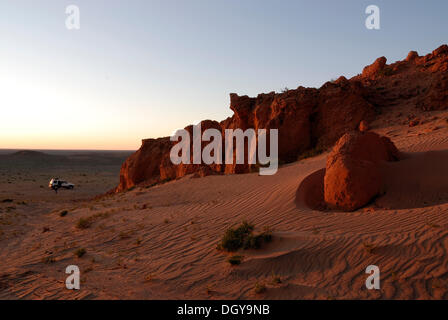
149 277
243 237
208 291
436 284
80 252
431 225
48 260
84 223
276 279
394 276
124 235
259 288
369 247
234 239
63 213
235 260
255 241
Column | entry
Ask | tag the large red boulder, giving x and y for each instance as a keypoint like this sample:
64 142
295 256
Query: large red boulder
352 176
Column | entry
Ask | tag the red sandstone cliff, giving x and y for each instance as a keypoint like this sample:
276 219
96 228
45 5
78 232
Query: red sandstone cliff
306 117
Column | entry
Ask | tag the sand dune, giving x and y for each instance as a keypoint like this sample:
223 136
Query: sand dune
160 242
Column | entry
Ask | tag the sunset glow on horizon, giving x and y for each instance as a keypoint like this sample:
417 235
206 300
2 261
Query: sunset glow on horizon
130 73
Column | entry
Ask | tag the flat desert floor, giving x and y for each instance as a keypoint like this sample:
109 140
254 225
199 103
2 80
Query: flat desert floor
160 242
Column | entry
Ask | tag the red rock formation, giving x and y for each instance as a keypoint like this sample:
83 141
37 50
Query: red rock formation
374 70
306 117
143 165
412 55
169 171
341 107
352 177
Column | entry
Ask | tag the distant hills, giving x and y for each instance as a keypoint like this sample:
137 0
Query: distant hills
32 159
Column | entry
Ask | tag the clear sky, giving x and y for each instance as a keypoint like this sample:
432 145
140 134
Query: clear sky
143 68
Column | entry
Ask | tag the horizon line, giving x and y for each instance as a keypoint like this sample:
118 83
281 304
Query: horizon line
46 149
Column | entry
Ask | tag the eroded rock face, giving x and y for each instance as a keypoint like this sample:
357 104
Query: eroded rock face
307 118
304 117
412 55
143 165
436 97
169 171
352 177
373 71
341 107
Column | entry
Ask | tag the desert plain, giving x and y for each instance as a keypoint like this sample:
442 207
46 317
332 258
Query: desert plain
159 240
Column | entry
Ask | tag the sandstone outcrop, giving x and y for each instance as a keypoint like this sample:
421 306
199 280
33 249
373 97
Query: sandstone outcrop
144 164
373 71
352 176
308 118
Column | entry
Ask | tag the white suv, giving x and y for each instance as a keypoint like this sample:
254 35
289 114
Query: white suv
55 183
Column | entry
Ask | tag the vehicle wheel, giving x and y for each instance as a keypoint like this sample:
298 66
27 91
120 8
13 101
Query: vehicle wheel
71 187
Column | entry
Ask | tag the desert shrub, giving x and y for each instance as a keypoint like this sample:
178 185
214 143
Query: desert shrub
243 237
48 260
63 213
234 239
259 288
368 247
255 241
235 260
80 252
276 279
84 223
124 235
7 200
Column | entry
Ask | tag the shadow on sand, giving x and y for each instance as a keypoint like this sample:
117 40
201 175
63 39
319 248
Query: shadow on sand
419 180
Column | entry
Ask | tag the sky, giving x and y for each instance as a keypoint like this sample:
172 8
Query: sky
143 68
